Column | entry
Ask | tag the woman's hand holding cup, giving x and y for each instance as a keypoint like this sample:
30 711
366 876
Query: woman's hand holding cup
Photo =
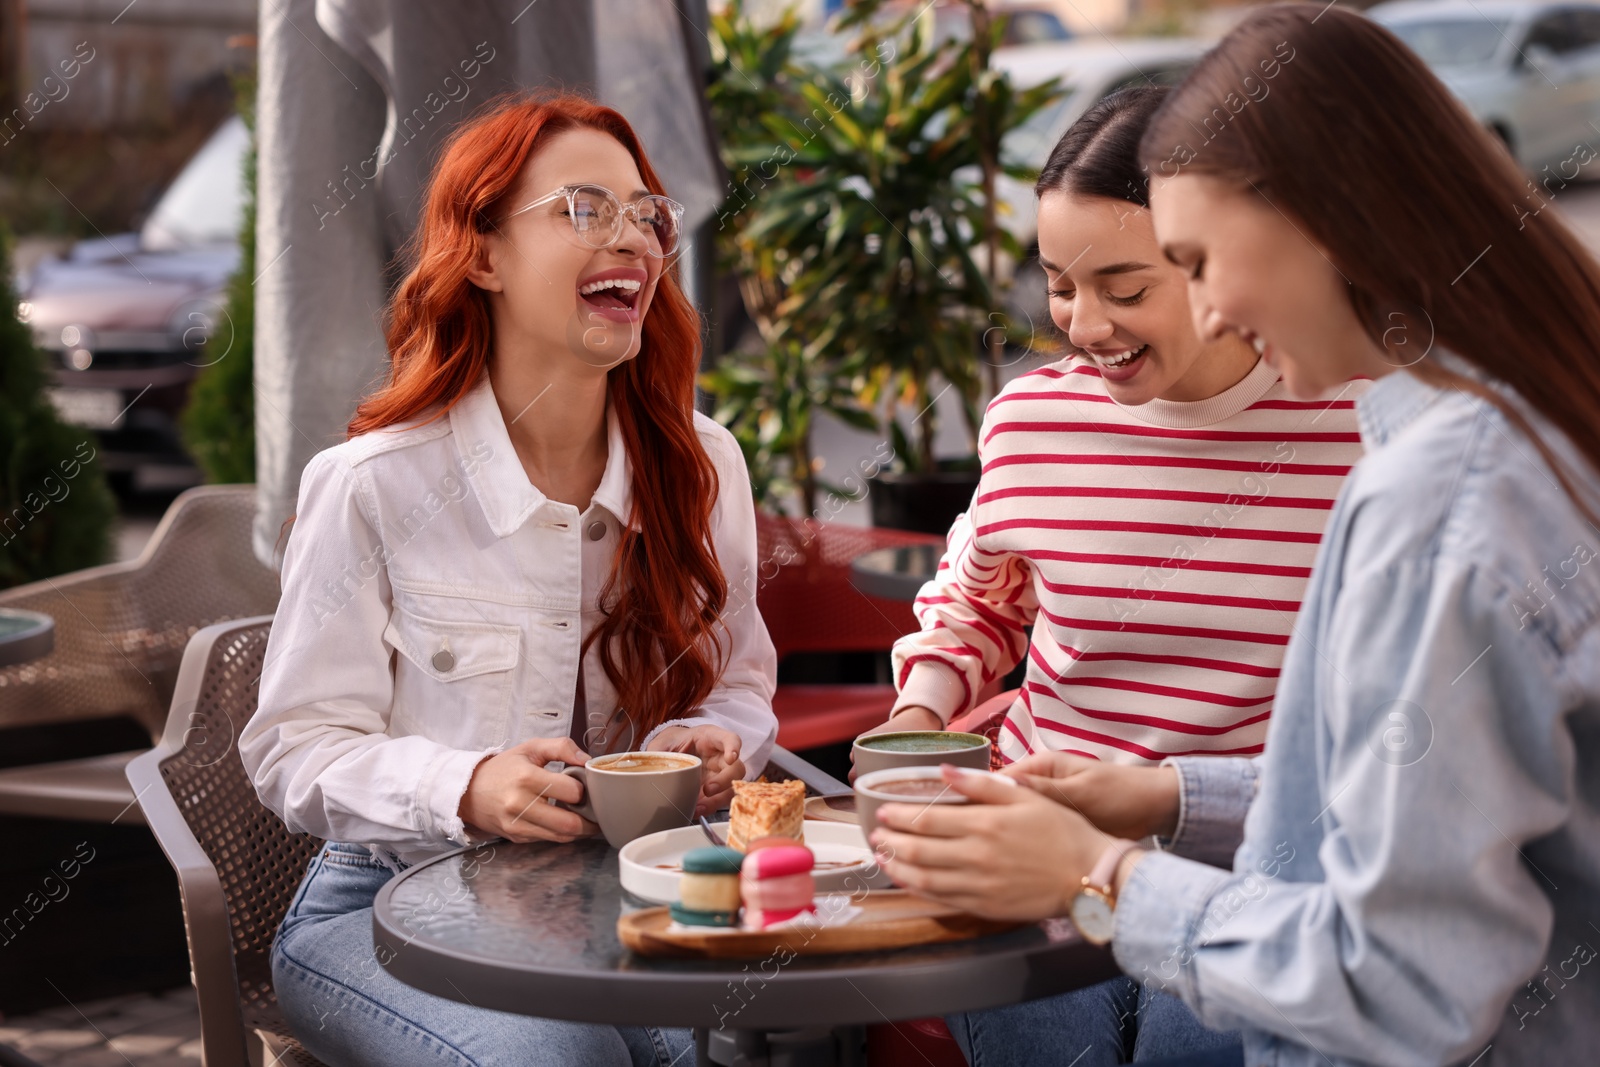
510 793
1124 800
1008 854
720 765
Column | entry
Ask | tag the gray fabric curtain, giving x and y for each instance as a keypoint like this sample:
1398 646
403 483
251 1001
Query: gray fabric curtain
355 98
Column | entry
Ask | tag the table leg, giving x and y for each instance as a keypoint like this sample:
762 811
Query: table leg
842 1046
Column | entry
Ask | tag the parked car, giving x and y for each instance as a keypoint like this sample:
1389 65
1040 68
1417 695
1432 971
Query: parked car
1027 25
1530 72
122 318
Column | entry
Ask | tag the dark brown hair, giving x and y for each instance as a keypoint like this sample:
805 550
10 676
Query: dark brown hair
1339 126
1099 153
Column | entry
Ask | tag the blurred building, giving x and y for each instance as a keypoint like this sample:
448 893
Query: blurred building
1082 16
112 64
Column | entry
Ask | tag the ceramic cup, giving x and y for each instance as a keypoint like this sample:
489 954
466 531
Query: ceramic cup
920 748
631 794
907 785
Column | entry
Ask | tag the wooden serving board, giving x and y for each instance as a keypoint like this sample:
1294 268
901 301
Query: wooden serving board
890 918
840 808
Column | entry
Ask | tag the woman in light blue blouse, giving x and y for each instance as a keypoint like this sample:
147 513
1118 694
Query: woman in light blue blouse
1410 874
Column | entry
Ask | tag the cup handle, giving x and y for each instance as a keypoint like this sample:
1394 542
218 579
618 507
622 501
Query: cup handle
585 807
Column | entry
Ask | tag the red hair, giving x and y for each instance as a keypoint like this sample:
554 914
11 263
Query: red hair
666 591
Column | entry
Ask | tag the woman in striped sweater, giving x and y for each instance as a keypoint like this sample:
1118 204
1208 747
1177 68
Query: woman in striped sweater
1151 506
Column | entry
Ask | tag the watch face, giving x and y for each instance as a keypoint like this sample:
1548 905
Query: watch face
1092 915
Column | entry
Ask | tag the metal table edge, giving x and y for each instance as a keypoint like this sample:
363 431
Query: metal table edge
686 999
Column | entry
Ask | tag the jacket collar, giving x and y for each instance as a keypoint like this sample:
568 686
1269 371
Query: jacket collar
1392 404
508 498
615 492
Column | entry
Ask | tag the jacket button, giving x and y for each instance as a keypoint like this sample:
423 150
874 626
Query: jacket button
444 661
597 530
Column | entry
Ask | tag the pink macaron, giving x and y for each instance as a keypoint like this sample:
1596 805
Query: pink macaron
776 885
776 861
774 894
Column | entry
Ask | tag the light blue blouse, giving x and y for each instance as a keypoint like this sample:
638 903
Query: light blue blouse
1419 877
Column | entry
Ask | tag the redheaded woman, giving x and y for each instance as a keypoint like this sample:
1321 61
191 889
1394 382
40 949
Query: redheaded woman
531 550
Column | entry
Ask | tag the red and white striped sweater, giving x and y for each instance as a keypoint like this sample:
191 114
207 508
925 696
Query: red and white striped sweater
1160 551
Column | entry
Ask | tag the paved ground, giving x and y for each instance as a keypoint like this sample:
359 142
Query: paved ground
163 1030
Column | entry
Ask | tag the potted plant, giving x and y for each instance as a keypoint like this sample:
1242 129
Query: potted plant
856 236
767 392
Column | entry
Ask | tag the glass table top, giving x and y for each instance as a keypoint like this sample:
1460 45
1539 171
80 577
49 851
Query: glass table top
25 636
509 926
19 624
895 573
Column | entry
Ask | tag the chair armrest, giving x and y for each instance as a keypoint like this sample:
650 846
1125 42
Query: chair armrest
205 914
205 907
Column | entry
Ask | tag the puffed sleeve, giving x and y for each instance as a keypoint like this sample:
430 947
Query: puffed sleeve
1214 796
974 614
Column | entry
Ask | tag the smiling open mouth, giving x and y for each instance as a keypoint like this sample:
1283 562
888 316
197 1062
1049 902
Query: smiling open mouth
612 293
1118 362
1118 366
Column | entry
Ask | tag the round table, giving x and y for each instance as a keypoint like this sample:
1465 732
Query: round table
532 928
25 636
896 573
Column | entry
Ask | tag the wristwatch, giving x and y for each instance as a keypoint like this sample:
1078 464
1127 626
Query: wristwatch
1093 909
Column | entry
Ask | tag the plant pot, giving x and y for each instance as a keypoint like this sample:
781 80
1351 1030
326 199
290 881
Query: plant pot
926 502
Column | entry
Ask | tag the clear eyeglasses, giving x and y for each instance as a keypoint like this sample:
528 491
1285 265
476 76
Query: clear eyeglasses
596 214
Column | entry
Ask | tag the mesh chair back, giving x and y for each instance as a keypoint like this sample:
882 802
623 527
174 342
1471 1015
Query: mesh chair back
256 860
806 598
121 629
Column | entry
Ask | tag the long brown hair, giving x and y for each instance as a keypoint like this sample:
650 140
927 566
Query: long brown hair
666 592
1338 125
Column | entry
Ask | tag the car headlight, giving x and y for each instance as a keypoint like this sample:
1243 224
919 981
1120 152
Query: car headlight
77 336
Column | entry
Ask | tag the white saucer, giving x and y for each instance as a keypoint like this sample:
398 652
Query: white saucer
649 865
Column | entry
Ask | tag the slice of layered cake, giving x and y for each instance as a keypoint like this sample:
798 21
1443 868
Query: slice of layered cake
766 809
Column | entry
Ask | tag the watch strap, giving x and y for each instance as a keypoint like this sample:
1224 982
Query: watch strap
1105 868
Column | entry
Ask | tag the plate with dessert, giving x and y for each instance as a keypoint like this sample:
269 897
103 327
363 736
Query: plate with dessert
884 919
652 866
773 887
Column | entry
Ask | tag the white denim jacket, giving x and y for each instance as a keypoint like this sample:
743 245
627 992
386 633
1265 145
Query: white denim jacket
433 606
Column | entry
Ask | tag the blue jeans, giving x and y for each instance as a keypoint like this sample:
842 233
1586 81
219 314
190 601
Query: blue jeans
1114 1022
350 1012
